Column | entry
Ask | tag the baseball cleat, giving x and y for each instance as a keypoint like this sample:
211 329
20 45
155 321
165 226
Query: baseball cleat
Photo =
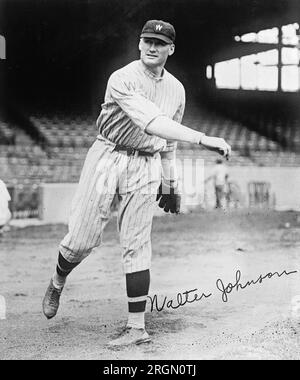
130 336
51 300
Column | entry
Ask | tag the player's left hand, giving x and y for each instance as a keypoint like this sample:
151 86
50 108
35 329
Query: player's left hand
169 197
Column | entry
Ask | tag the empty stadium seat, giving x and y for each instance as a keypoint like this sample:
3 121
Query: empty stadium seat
68 139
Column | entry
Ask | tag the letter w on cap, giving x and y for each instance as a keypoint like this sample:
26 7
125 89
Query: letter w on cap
158 27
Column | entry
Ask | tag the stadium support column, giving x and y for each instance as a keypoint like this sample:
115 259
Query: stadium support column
280 45
2 47
213 77
298 47
2 68
240 73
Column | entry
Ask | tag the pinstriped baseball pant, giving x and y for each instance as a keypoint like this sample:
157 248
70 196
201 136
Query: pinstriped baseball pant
105 173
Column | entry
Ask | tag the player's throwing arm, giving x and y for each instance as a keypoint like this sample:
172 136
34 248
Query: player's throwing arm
169 129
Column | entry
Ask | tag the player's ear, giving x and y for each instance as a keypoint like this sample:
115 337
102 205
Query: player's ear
171 49
140 43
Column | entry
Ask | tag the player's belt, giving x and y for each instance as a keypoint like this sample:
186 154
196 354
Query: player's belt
132 151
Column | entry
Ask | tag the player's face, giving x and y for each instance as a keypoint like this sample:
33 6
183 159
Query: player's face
154 52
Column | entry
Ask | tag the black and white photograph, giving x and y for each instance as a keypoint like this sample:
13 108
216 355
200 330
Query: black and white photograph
149 182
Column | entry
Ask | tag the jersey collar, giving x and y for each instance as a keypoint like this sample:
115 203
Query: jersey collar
150 74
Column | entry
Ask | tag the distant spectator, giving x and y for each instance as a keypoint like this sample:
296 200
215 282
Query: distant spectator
233 195
220 179
5 213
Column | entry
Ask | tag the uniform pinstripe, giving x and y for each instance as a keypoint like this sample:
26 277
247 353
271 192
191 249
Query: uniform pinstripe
133 98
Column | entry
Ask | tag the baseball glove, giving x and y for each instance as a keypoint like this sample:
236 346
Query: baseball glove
169 197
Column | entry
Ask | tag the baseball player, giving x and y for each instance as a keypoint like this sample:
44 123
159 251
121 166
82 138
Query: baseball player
219 177
133 156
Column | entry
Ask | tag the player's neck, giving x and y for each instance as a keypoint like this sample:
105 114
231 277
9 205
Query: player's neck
157 71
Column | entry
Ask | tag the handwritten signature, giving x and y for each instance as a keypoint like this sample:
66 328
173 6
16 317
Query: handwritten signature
181 300
225 290
193 295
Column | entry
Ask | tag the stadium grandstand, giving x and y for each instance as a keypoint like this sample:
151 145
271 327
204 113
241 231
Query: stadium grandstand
240 68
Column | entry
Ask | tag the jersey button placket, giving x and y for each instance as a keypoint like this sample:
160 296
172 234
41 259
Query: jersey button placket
156 81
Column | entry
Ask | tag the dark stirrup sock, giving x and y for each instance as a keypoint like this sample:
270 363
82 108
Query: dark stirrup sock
137 286
64 267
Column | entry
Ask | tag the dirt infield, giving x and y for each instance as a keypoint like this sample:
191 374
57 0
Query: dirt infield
201 252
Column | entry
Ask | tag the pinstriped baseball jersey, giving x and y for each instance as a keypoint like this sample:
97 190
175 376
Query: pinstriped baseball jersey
134 97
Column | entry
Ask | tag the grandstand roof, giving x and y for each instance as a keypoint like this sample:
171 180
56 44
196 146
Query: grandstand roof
65 48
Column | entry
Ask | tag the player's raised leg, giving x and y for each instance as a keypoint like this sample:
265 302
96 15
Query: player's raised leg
89 215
